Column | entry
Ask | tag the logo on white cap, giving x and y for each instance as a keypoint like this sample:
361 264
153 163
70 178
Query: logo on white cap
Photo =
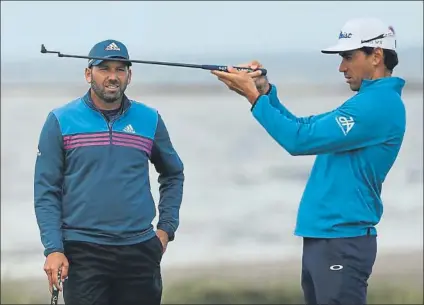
112 47
344 35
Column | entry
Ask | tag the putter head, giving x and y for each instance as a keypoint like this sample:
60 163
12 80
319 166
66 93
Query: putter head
43 49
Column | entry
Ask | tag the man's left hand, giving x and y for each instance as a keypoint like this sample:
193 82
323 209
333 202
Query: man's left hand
163 237
241 82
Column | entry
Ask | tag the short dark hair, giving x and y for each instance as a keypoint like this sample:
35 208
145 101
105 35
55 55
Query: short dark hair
390 57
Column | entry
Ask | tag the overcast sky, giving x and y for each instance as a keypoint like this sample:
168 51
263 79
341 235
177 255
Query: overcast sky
186 27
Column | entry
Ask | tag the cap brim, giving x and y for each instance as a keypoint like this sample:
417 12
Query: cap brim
340 48
99 61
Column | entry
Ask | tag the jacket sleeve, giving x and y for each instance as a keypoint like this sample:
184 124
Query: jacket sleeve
48 178
275 102
352 126
171 179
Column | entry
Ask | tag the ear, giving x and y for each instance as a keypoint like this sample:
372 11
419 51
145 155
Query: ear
129 75
88 75
377 56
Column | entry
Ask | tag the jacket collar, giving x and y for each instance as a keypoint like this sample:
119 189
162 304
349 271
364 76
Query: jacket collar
126 103
393 83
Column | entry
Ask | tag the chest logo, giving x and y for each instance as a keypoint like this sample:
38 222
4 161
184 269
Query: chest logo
129 129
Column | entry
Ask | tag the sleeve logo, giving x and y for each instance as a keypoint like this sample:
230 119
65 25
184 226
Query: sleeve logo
345 123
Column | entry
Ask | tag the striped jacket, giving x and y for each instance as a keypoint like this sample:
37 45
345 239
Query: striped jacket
92 175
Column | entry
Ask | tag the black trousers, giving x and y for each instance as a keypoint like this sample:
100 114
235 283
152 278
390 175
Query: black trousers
336 271
109 275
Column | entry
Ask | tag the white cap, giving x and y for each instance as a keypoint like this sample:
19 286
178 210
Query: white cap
364 32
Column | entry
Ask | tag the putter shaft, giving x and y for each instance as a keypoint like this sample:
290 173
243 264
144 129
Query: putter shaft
173 64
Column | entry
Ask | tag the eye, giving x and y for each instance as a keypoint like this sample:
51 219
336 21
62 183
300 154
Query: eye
346 56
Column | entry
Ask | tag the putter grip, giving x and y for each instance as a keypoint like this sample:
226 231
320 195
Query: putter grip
264 71
224 68
55 293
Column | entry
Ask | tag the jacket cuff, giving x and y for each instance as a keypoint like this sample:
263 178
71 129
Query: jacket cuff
47 252
267 93
269 89
168 229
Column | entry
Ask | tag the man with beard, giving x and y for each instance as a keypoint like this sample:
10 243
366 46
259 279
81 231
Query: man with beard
92 193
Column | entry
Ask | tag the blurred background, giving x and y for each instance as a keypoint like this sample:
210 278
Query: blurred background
235 243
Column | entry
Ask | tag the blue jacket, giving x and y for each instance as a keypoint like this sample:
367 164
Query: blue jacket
356 146
92 176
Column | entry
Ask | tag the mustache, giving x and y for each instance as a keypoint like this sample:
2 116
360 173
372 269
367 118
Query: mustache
113 83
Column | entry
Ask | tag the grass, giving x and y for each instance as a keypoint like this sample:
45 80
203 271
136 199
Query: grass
208 291
397 279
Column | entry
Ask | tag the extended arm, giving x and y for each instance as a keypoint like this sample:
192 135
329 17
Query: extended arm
275 102
171 179
354 125
48 179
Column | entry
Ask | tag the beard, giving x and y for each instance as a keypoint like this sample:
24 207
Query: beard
106 96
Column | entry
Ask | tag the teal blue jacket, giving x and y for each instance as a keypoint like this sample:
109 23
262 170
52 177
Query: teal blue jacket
356 146
91 179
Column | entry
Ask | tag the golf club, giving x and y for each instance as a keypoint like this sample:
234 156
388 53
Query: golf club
55 293
204 67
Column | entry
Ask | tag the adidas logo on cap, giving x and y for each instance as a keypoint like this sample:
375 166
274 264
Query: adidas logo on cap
112 47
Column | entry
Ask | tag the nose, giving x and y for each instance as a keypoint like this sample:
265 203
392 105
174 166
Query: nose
343 66
112 76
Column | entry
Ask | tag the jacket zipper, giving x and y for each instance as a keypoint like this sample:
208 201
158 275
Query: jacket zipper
109 126
110 123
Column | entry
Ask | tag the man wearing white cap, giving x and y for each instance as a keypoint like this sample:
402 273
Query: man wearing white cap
356 145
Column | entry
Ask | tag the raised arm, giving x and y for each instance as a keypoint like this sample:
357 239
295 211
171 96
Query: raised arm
275 102
357 123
